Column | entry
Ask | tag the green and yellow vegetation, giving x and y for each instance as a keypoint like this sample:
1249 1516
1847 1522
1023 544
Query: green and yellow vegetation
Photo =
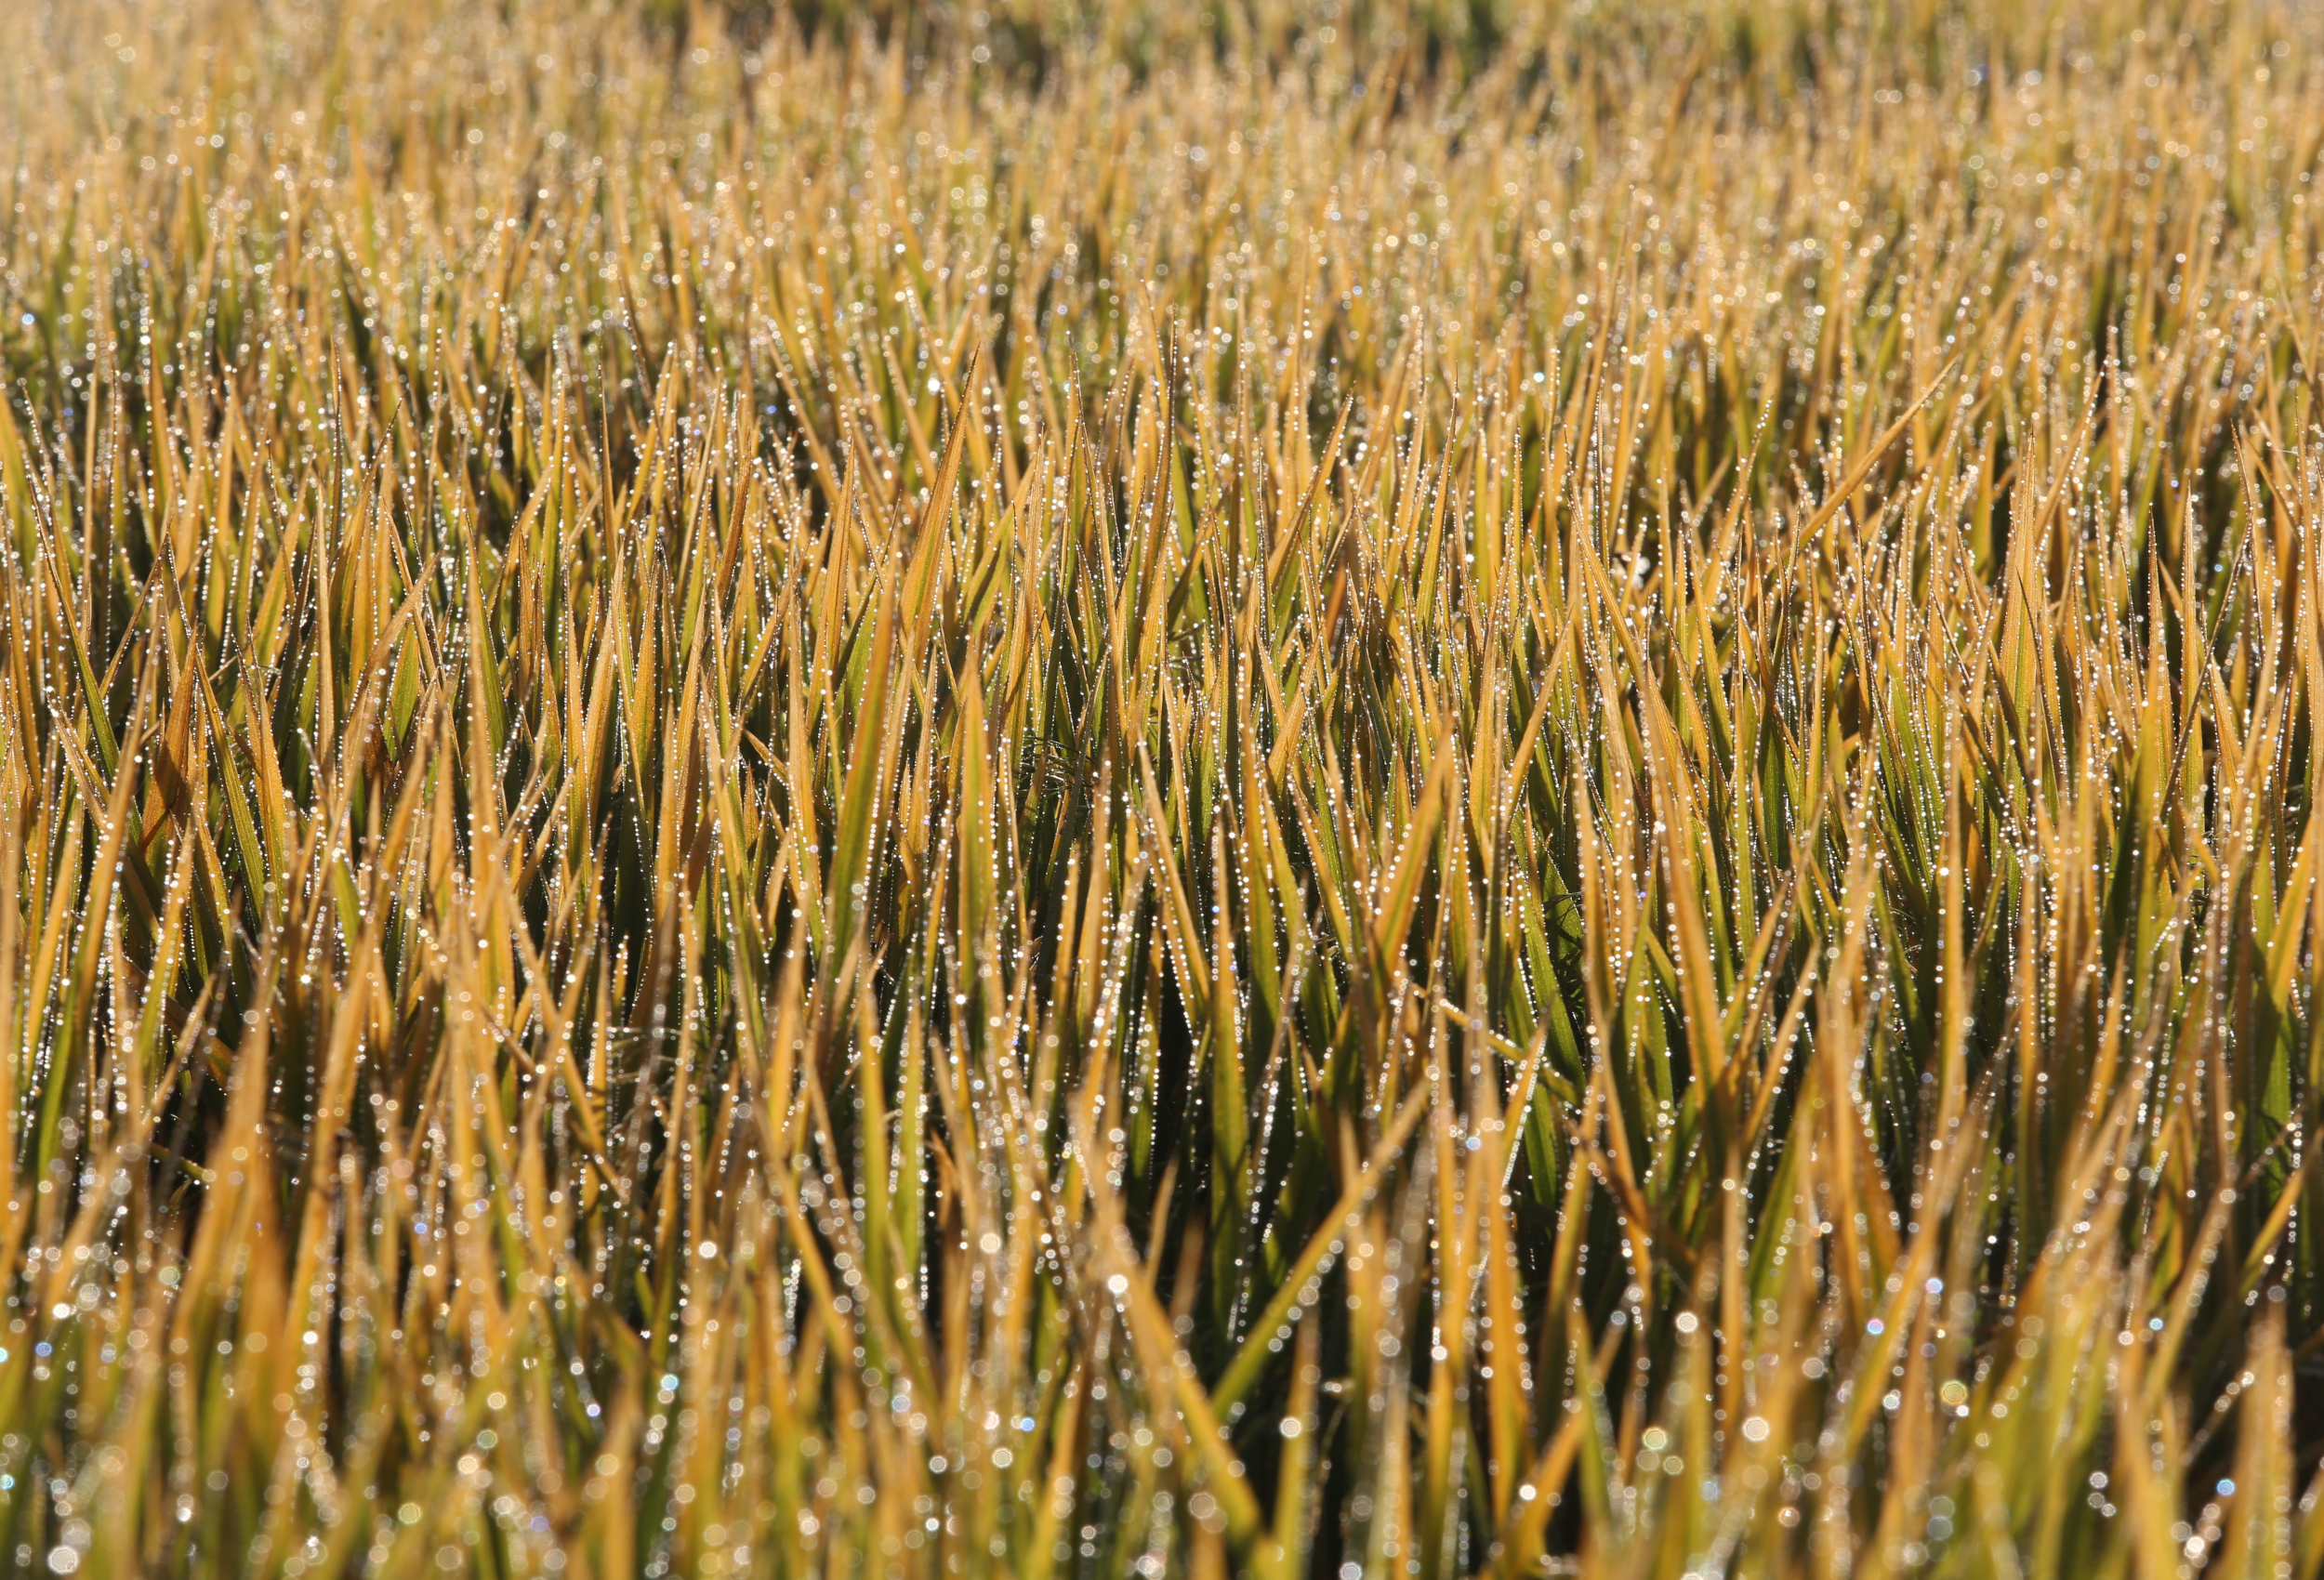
1389 788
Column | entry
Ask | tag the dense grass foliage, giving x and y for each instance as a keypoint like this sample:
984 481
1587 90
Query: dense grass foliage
1411 790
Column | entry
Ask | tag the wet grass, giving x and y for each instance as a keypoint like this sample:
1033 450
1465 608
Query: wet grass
1421 791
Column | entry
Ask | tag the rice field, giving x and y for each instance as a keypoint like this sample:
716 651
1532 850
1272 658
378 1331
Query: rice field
1026 789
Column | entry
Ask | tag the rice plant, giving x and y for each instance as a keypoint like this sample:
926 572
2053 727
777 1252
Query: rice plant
1051 789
